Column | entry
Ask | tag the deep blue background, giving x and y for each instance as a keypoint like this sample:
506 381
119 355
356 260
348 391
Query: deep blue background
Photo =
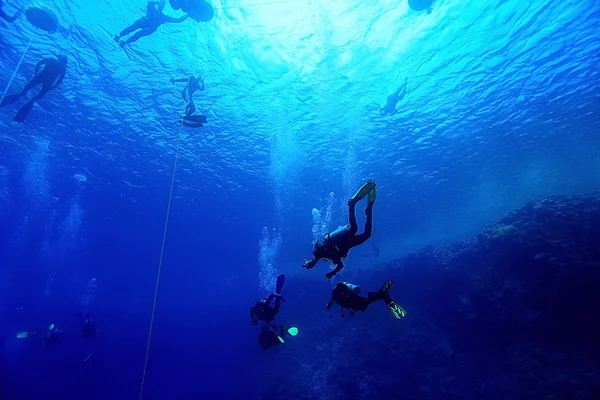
502 108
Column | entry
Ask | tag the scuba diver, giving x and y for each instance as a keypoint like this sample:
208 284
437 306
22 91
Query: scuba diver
51 338
336 244
192 85
148 24
262 310
49 77
393 99
5 16
273 336
347 296
88 328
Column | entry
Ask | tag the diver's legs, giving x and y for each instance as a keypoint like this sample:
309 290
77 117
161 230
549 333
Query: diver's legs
352 219
139 34
139 24
363 237
190 107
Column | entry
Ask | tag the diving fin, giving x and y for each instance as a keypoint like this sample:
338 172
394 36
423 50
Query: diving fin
22 335
397 311
363 191
280 282
7 100
24 111
386 286
373 195
199 119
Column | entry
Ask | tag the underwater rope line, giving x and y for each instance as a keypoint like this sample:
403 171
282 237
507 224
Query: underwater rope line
164 238
12 78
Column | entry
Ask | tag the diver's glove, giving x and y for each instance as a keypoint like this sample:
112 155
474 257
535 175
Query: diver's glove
307 264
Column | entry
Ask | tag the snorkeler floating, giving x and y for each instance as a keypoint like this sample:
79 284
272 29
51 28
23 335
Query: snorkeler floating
5 16
393 99
347 296
336 244
192 85
262 310
49 77
148 24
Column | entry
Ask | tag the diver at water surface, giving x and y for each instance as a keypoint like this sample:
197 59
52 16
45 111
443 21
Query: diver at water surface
336 244
50 76
148 24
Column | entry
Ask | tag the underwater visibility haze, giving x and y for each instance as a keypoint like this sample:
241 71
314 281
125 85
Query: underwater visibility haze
157 181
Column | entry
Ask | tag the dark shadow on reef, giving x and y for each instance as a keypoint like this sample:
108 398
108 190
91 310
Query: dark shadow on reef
513 313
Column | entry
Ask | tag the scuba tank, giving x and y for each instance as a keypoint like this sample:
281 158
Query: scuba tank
352 287
334 238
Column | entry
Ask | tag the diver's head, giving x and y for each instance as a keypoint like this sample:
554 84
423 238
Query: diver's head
318 249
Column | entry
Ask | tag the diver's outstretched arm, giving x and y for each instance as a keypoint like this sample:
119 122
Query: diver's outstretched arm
328 307
310 264
179 80
176 20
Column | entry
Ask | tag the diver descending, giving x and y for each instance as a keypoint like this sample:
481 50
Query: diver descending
88 328
50 76
262 310
347 296
336 244
148 24
393 99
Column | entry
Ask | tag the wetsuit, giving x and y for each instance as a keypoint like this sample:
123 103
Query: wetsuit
271 336
346 298
335 253
262 310
50 76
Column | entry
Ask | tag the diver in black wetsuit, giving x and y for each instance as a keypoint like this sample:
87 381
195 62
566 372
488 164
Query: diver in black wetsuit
271 336
52 337
49 77
5 16
336 244
262 310
192 85
88 328
148 24
347 296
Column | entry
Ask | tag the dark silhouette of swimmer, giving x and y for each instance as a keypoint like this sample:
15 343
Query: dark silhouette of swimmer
393 99
192 85
88 328
336 244
50 76
5 16
148 24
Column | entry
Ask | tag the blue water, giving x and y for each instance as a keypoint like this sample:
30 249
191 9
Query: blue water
502 107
